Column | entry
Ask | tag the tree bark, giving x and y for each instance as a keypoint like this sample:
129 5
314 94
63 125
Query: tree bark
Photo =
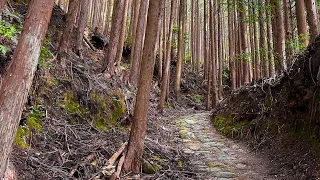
287 26
244 42
231 44
138 129
137 49
67 32
262 48
313 20
134 27
177 82
18 80
84 13
280 38
2 3
302 22
111 50
123 32
213 56
166 77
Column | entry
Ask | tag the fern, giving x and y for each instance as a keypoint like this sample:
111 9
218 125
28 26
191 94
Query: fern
4 49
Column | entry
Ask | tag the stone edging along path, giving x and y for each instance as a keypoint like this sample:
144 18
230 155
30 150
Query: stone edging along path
215 155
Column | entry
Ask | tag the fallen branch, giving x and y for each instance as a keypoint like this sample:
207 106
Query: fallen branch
117 154
116 175
89 43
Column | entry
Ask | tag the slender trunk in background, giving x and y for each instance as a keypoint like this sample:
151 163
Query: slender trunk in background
213 55
197 34
111 50
18 80
160 51
84 13
67 32
134 27
192 39
301 22
231 44
220 57
123 32
138 45
280 64
256 44
138 130
107 23
177 82
270 42
164 42
287 26
2 3
206 55
244 42
166 77
262 48
313 19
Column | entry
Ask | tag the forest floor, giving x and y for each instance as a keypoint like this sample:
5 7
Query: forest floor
85 117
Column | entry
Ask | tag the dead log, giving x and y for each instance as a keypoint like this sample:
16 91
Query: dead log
89 43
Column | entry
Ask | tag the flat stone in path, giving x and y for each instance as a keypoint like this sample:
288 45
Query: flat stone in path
215 155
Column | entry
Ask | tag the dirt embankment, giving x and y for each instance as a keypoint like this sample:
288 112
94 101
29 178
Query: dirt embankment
280 117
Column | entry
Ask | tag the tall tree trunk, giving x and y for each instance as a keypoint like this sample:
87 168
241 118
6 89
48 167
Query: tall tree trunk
84 11
213 55
68 30
107 21
123 32
207 54
244 42
192 39
136 54
177 82
280 64
111 50
134 27
220 49
2 3
138 129
262 48
287 26
197 34
313 20
231 44
302 22
166 77
270 42
17 82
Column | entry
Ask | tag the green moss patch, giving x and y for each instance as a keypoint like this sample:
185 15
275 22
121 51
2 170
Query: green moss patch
106 110
71 106
226 126
22 135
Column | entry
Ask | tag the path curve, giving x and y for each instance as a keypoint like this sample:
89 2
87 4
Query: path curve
215 155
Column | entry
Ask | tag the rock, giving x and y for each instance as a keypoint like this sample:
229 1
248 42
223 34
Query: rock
148 168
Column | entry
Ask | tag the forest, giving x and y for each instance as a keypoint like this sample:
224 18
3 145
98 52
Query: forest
159 89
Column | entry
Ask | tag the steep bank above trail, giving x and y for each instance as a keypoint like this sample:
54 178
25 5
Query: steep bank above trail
280 116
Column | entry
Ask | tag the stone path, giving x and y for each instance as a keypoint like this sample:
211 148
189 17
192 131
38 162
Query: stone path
217 156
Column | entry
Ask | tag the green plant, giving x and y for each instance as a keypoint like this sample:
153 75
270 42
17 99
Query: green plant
197 98
8 31
45 54
4 49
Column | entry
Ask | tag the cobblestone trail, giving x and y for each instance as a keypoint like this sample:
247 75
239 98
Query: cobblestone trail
217 156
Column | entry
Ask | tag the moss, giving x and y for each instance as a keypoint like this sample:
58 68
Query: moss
21 136
267 102
107 110
226 126
35 123
70 106
52 81
168 106
179 164
159 159
182 135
